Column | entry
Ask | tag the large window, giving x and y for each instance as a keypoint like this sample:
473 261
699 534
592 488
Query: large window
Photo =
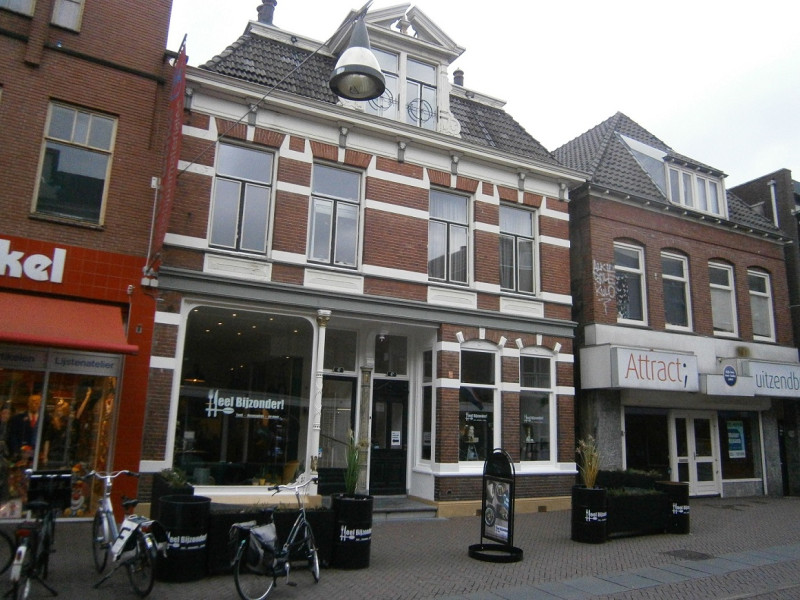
517 231
426 439
739 445
629 268
240 210
694 191
476 405
243 409
334 216
534 407
410 92
76 163
675 285
448 234
21 6
761 305
723 301
68 14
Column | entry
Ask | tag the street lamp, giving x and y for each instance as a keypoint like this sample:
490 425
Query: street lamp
357 75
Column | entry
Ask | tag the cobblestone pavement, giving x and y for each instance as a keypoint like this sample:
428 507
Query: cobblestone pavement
738 548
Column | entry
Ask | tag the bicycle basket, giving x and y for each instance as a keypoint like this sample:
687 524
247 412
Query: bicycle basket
54 487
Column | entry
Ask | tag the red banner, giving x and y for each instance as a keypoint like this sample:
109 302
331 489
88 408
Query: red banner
173 153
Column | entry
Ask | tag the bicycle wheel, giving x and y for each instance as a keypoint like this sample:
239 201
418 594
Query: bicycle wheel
99 543
141 568
313 555
45 546
6 551
251 582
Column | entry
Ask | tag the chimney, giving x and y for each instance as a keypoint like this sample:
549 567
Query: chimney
266 11
458 77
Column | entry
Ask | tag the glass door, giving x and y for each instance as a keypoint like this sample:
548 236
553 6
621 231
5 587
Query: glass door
694 452
389 433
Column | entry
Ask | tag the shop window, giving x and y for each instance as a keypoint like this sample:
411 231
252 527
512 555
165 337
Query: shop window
761 305
629 269
647 440
21 6
242 413
675 287
426 439
391 355
476 414
333 231
739 443
517 246
535 398
723 300
75 164
448 236
68 14
241 204
338 419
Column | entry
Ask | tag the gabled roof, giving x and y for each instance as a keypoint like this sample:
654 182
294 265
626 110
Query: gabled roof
265 55
607 153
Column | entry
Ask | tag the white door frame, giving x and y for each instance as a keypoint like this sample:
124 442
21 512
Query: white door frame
698 467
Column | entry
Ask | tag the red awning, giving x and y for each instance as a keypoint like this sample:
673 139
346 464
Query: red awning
45 321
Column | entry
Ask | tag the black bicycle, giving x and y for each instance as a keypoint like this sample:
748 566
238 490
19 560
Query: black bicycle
257 562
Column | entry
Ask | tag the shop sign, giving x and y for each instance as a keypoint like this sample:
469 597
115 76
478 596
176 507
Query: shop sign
23 358
81 363
736 448
37 267
642 369
242 406
773 379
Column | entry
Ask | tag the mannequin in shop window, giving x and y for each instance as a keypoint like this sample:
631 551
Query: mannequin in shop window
5 455
54 434
22 431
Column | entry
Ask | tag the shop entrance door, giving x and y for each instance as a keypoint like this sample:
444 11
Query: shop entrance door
387 473
694 451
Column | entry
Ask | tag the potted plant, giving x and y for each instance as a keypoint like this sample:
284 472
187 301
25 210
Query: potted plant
589 512
353 512
168 482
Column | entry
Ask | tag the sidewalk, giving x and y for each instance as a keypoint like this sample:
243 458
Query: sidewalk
735 542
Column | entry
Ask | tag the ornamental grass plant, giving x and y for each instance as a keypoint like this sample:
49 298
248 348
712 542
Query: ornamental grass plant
588 460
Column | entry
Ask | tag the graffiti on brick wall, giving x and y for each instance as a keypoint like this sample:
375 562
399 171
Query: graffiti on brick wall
605 283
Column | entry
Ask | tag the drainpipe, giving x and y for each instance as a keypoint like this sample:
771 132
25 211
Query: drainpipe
774 197
315 410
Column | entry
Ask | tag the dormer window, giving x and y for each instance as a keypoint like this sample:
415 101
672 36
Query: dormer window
410 93
695 191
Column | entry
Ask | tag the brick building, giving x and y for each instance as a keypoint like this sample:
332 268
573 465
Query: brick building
685 346
776 196
397 267
82 119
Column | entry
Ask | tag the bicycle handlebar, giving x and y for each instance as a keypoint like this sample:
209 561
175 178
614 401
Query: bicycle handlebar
110 474
296 487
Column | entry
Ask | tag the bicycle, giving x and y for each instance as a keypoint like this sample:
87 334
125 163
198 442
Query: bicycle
256 562
7 551
135 544
50 491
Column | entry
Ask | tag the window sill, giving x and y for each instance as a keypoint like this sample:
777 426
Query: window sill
67 221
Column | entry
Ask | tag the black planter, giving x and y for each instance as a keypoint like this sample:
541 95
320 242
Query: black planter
185 519
353 534
323 524
161 487
589 514
636 513
678 509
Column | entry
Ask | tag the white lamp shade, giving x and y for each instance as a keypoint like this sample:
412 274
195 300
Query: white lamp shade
357 75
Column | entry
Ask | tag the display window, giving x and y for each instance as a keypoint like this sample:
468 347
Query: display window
243 407
57 413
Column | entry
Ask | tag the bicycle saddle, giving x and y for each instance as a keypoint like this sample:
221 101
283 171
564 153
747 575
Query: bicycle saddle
129 502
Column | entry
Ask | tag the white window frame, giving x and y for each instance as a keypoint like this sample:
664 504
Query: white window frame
427 382
24 7
497 416
692 187
516 239
452 226
552 408
687 296
68 14
730 290
245 183
765 296
640 273
395 101
337 203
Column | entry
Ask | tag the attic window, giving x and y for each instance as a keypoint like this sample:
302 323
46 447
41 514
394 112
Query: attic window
410 93
695 190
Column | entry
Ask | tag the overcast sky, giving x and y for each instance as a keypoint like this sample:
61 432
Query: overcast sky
718 81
